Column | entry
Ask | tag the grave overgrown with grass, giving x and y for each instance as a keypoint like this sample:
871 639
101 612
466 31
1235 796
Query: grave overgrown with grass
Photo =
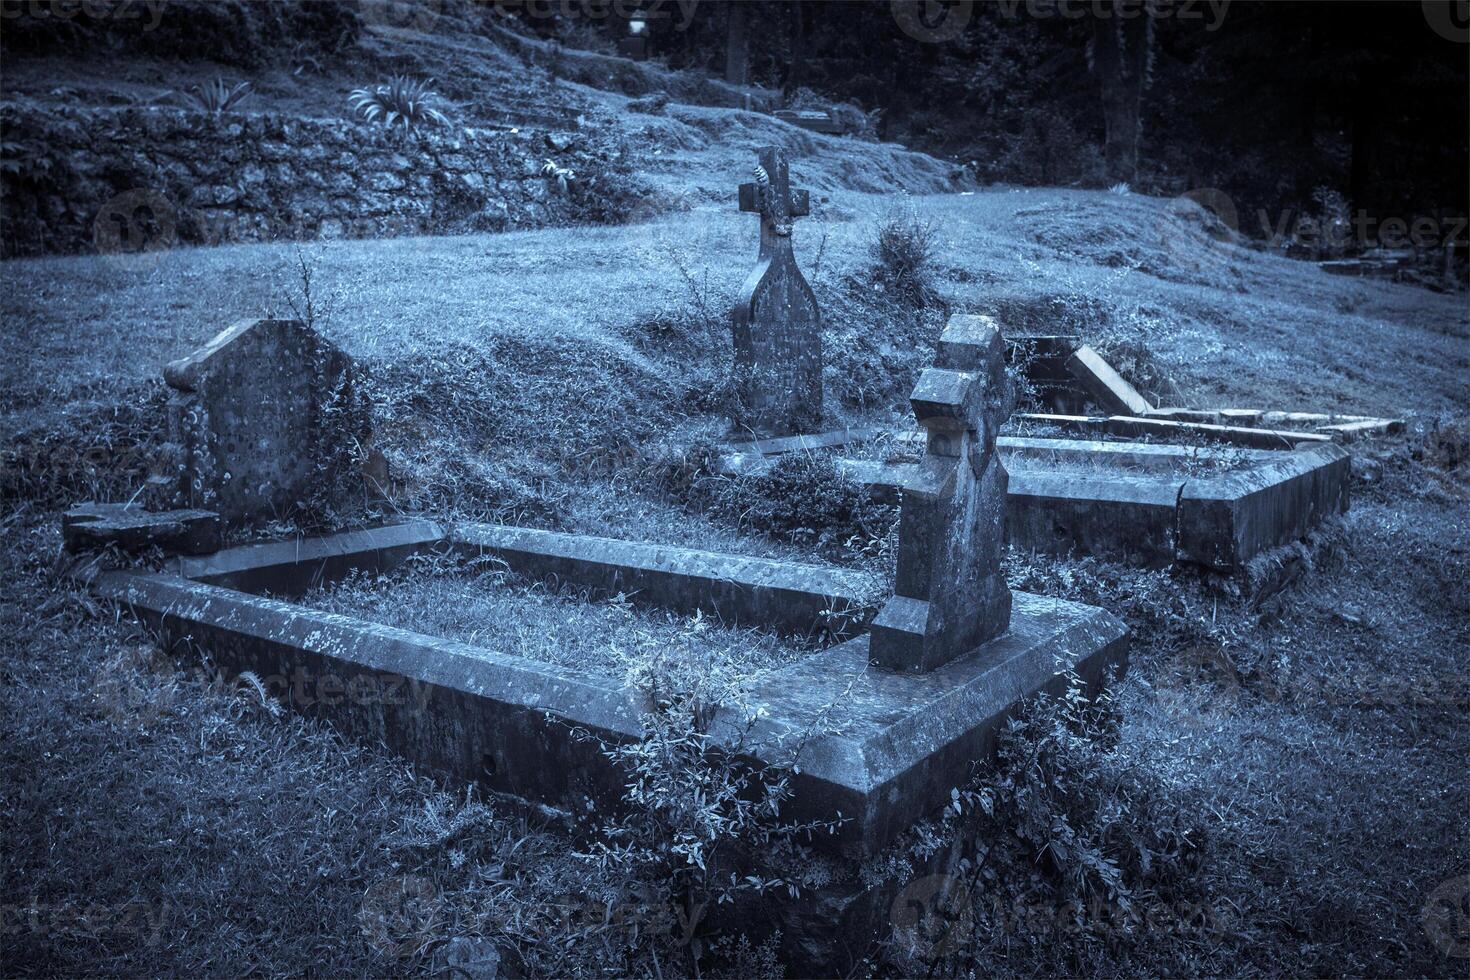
478 602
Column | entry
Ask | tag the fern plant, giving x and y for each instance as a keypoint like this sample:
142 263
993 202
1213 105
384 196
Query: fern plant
400 101
216 97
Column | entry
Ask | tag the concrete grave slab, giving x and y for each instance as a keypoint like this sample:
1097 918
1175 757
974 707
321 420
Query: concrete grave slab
1122 516
290 568
1225 521
1126 500
131 528
1134 427
898 742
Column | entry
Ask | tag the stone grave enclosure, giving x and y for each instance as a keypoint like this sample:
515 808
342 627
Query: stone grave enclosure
1142 502
894 714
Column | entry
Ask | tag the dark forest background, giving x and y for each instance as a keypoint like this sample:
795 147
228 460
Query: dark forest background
1324 112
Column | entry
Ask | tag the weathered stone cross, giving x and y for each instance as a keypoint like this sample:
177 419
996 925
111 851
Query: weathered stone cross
950 593
777 327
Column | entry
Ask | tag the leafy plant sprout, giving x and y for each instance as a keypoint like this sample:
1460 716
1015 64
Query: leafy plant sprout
401 101
216 97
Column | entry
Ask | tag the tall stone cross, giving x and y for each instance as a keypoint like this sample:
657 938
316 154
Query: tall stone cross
777 328
950 595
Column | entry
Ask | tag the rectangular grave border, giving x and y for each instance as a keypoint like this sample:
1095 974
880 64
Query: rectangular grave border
1144 513
890 748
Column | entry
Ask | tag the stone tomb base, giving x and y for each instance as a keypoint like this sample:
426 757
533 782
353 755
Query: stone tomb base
1149 503
885 749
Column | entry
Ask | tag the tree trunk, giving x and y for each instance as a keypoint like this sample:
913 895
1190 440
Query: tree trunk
796 72
1120 59
737 45
1361 166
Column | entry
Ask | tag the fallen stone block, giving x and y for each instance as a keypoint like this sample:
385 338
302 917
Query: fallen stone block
1105 384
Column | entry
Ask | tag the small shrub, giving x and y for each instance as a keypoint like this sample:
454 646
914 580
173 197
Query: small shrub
904 252
216 97
401 101
1063 826
701 827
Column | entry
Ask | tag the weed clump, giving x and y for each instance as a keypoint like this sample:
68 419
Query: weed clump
701 825
1062 852
803 499
904 254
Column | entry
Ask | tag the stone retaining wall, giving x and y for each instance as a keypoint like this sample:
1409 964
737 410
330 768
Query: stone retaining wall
144 178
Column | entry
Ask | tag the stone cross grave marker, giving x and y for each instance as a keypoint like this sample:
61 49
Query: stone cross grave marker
950 595
263 418
778 330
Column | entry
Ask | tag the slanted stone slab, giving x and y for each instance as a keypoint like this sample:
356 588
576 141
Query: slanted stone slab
805 600
263 419
1105 384
950 594
1234 434
290 568
1350 431
129 527
1226 520
777 327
